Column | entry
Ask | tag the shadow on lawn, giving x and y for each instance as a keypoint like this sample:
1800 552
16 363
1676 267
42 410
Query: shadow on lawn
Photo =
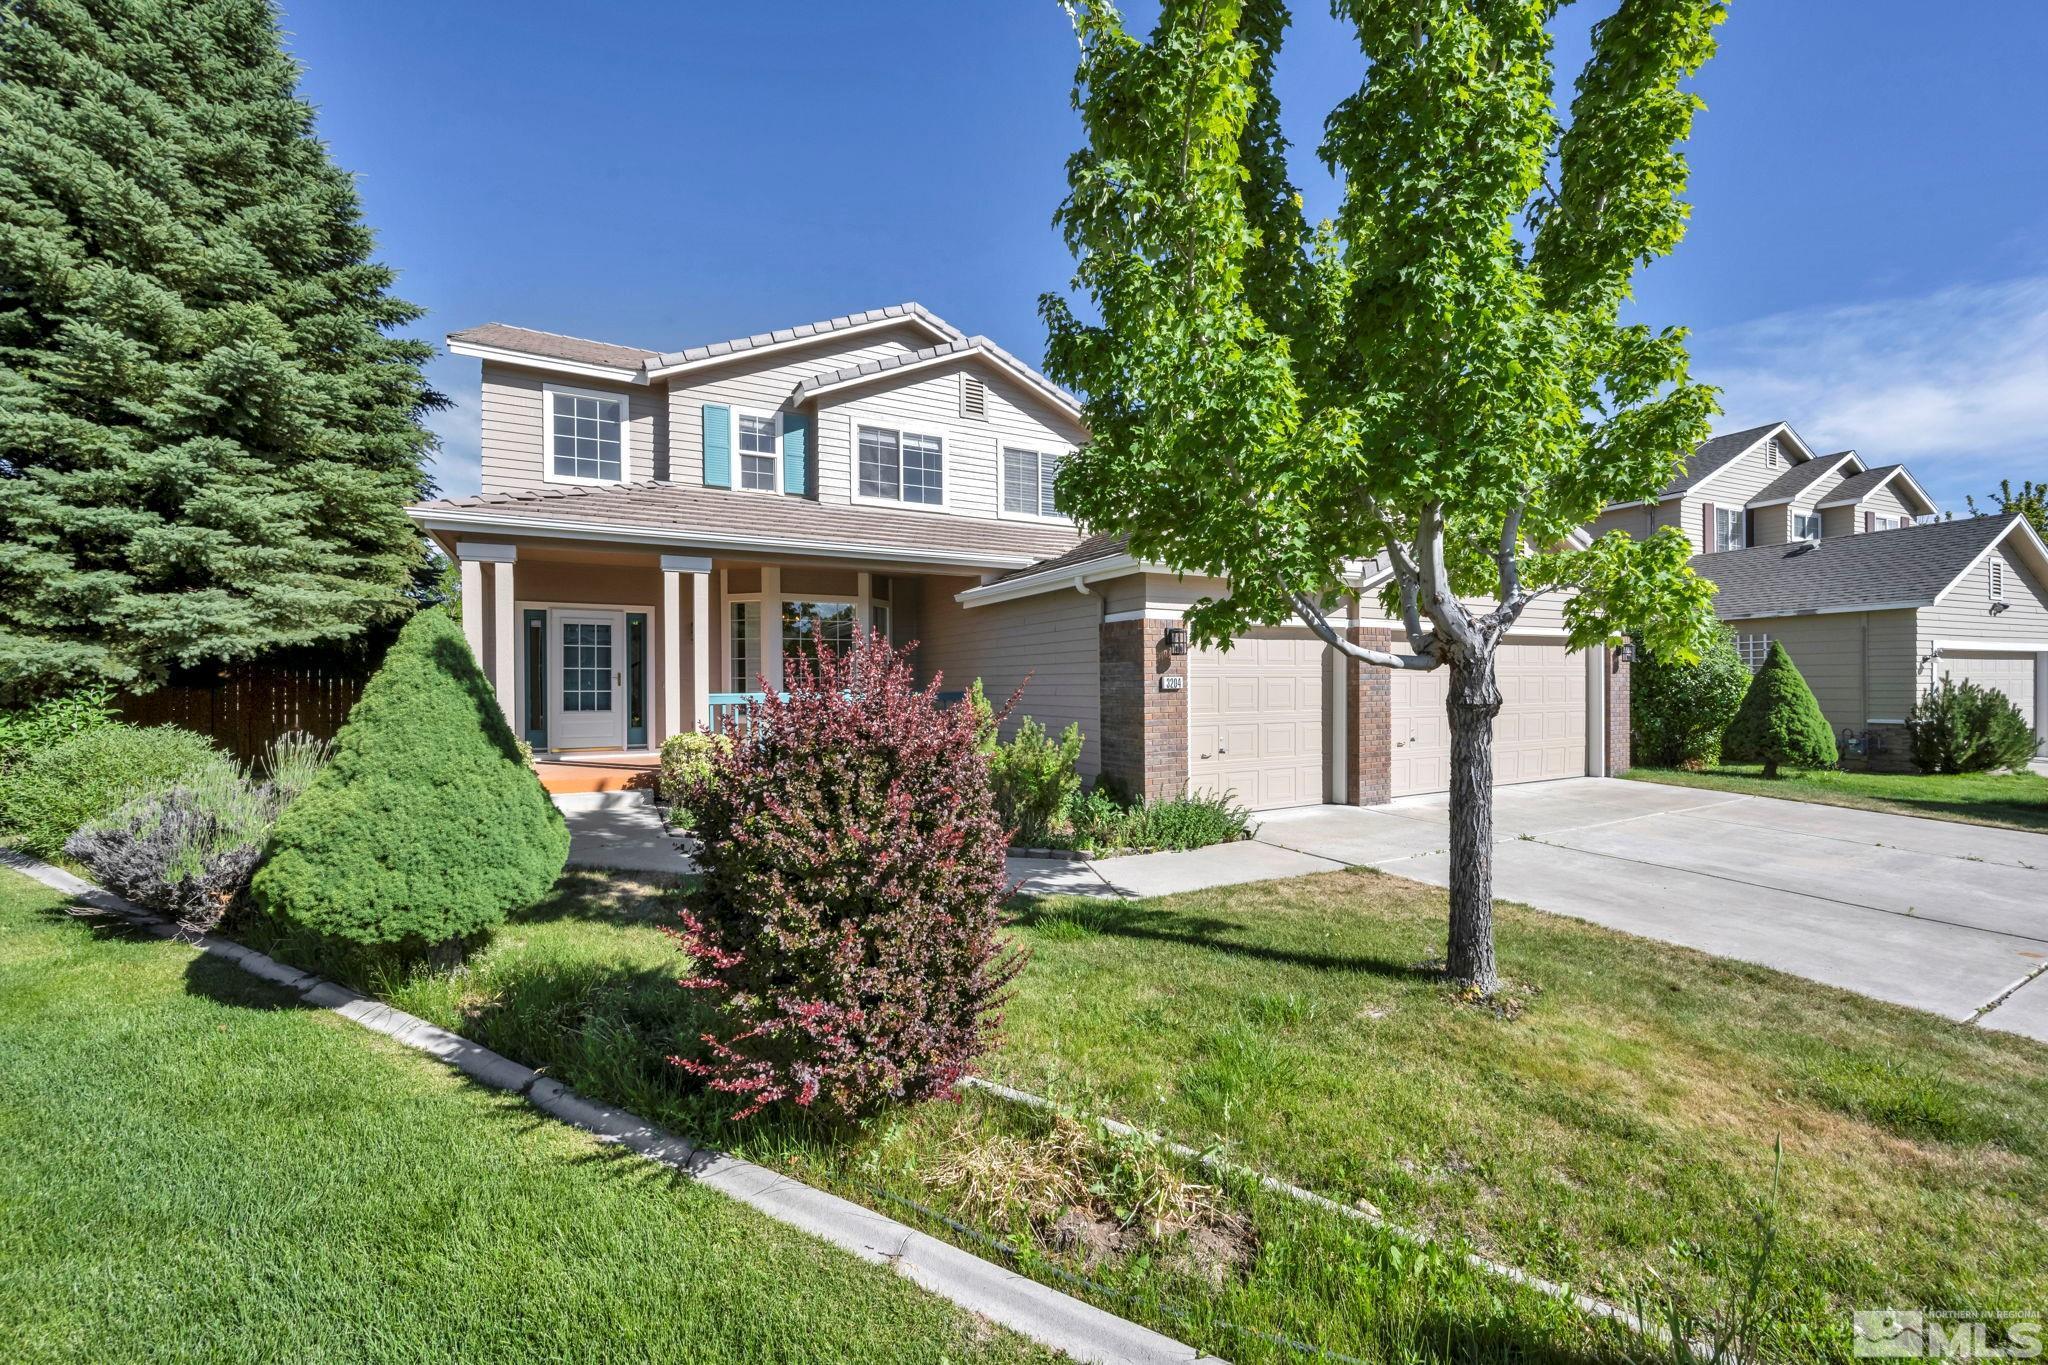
1071 919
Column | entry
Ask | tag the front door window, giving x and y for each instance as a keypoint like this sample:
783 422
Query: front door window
586 666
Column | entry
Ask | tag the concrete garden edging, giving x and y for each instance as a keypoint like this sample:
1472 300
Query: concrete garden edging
1031 1309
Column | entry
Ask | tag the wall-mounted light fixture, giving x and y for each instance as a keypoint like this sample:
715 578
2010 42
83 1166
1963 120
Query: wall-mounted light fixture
1176 639
1626 652
1997 607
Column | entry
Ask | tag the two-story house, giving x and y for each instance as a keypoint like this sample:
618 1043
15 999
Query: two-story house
1845 566
658 530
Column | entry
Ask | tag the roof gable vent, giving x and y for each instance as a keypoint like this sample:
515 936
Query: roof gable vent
1771 453
973 397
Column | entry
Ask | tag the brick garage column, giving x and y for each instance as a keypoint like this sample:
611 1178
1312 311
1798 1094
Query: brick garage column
1369 722
1617 713
1144 724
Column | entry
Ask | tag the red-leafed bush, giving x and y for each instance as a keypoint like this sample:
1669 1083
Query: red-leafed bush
847 925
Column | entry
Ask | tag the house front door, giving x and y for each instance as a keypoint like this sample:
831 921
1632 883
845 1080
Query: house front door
587 702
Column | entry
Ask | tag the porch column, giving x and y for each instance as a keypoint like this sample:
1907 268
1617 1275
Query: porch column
771 624
498 662
673 567
863 599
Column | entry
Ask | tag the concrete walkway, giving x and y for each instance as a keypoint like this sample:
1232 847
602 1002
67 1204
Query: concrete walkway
620 830
1945 917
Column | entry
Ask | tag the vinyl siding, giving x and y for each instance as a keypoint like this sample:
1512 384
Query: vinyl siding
511 452
1886 504
1965 614
1050 645
1859 664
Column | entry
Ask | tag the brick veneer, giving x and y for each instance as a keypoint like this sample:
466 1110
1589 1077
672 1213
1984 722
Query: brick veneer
1369 722
1144 729
1617 714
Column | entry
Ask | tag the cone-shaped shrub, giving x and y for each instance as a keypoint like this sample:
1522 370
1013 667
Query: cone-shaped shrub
846 931
1779 722
427 826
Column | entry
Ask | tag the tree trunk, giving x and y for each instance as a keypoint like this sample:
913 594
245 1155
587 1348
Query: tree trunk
1473 703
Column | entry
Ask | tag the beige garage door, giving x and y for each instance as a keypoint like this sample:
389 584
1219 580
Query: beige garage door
1540 733
1255 720
2012 674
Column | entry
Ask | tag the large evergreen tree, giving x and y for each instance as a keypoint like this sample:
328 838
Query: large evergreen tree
208 434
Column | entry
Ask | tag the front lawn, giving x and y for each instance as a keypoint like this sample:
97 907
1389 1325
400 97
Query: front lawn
1617 1135
197 1169
2006 800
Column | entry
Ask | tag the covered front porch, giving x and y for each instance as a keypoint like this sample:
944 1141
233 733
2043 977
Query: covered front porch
601 651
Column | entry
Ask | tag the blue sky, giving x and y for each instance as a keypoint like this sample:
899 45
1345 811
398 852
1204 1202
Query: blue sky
1868 256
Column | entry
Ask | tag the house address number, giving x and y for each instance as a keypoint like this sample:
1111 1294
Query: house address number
1170 682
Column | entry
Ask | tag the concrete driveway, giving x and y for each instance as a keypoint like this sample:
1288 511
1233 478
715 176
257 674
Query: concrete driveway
1944 917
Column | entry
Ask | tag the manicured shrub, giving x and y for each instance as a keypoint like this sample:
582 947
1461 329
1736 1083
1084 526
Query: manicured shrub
1965 728
846 929
686 758
1034 777
426 827
189 852
1779 723
49 794
25 730
1678 710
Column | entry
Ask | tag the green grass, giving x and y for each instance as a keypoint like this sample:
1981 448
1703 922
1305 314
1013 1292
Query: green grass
2005 800
197 1169
1617 1134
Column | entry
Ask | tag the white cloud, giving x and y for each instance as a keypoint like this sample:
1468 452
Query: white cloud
1953 383
458 468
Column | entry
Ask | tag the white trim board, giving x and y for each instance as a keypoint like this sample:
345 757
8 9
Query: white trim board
856 329
1991 646
500 355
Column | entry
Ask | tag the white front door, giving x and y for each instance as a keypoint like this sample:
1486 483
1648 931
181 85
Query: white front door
587 692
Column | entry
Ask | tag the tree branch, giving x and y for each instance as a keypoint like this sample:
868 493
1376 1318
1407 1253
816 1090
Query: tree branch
1312 616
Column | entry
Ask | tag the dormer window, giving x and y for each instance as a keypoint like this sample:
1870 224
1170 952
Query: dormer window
586 436
1806 526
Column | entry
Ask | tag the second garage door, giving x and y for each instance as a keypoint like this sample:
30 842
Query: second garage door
1255 720
2012 674
1539 735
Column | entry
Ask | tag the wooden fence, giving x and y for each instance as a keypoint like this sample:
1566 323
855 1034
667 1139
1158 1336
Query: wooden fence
244 709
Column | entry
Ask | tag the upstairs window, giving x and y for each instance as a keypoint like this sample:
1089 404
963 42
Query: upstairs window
1028 477
586 437
1882 523
1753 650
1727 528
900 466
759 449
1806 526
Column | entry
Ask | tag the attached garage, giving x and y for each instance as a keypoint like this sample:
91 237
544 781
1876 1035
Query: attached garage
2012 674
1539 735
1255 720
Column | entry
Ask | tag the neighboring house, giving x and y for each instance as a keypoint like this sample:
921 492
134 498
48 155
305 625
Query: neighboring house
657 530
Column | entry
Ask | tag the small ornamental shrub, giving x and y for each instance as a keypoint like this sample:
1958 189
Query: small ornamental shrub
1102 823
1679 710
1779 724
846 928
426 827
1965 728
1034 777
686 758
25 730
52 792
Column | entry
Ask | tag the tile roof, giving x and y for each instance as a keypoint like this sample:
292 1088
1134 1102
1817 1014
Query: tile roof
1912 564
974 345
1711 456
1800 477
740 345
675 511
553 345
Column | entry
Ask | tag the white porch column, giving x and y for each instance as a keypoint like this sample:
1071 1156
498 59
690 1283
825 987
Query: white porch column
863 603
500 666
673 568
771 624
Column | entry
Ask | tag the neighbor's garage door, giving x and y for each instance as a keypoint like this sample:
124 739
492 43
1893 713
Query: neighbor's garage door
2012 674
1255 720
1540 733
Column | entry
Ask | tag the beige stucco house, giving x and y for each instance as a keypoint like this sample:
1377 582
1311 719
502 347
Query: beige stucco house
658 529
1846 567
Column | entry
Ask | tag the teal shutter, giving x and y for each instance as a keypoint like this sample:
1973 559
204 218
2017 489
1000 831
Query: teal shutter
717 446
796 453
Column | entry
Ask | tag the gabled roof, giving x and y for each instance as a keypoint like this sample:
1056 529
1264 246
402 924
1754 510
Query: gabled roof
935 355
1909 567
1789 485
1710 457
1855 490
716 518
914 314
498 336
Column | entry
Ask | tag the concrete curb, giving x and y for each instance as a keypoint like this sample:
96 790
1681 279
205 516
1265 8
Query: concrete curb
1031 1309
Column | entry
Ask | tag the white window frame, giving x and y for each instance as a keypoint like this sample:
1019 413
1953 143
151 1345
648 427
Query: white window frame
739 456
1881 521
1003 449
1812 520
547 433
1736 517
1994 578
1748 643
928 431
